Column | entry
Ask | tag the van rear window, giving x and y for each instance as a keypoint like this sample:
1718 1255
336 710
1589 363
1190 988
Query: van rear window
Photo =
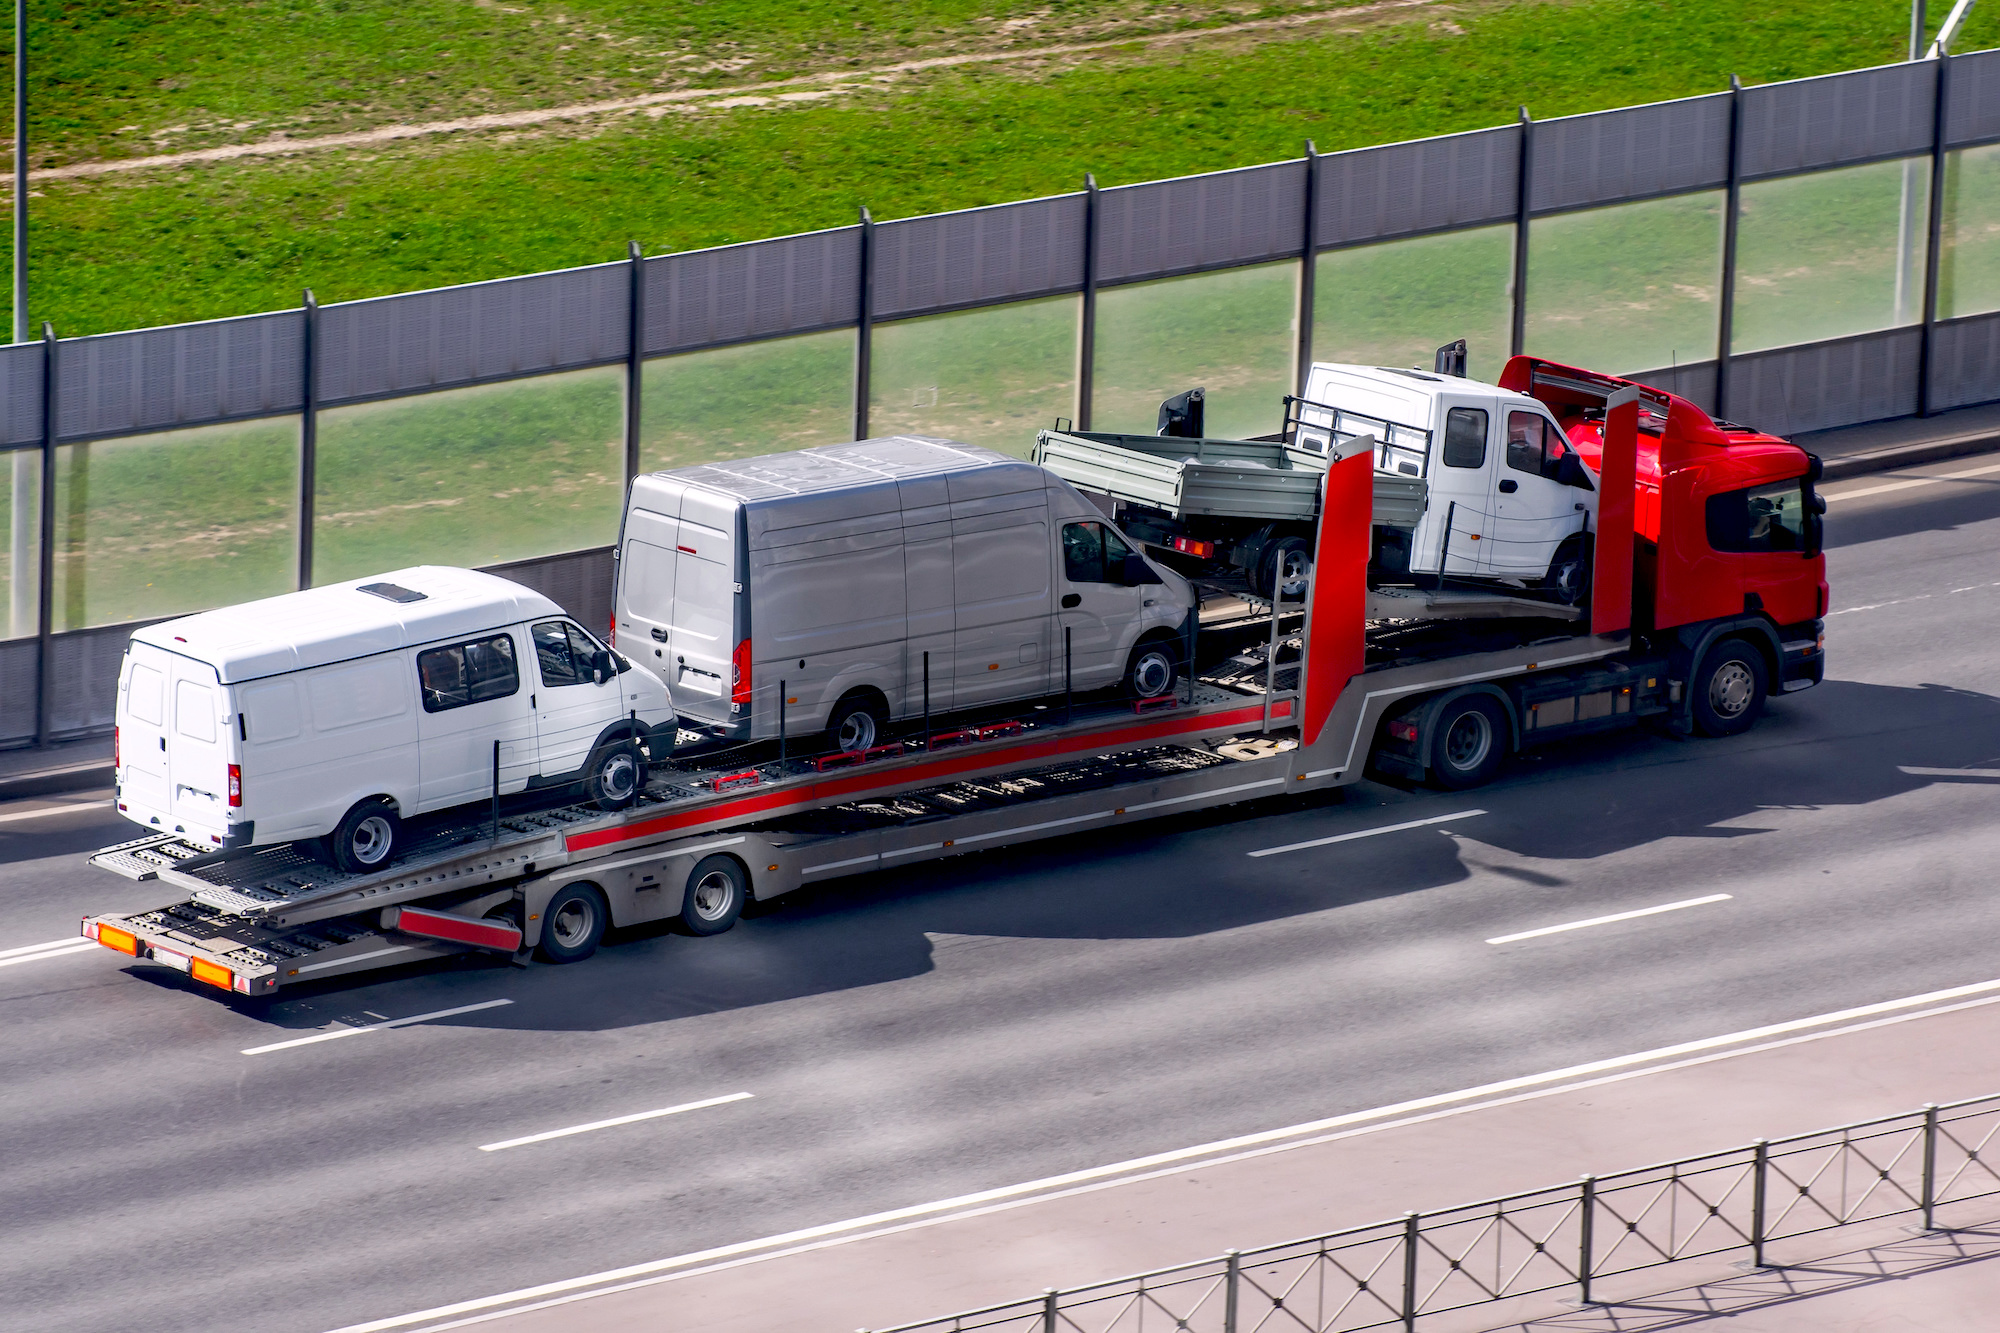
468 673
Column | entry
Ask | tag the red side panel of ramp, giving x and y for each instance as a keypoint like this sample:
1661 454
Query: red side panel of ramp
499 935
1611 576
1336 616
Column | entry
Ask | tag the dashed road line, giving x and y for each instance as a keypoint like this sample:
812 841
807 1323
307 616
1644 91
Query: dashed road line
1365 833
374 1027
1607 920
632 1119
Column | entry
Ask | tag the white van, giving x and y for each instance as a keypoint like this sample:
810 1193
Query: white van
336 713
834 572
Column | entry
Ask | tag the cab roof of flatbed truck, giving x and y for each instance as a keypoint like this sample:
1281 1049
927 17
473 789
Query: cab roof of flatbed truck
341 622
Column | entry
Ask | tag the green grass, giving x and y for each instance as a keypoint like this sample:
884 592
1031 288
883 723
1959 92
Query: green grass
1629 287
1969 265
233 238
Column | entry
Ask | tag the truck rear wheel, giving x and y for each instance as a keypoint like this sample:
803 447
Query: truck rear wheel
1729 688
572 924
717 889
1470 743
1284 568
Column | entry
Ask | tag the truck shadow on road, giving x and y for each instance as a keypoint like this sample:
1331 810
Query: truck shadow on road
1844 744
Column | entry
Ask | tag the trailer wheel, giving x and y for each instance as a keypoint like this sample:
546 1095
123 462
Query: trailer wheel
572 924
717 889
857 722
365 839
1729 688
617 772
1153 669
1470 744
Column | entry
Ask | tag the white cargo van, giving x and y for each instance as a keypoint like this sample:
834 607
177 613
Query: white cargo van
834 571
336 713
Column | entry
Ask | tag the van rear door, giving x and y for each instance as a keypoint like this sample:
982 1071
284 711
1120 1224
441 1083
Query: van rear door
197 747
143 791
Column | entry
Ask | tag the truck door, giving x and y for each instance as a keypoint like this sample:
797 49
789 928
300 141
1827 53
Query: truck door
1532 511
1098 610
571 707
1458 497
197 748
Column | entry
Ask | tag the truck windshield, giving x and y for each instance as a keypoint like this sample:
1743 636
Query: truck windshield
1770 517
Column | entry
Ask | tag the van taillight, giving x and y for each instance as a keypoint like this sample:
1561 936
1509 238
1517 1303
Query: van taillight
115 765
739 675
235 784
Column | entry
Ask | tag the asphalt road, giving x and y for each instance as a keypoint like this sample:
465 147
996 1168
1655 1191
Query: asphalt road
1004 1017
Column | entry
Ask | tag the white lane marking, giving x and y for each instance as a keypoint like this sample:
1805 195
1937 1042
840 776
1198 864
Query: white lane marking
1438 1107
615 1120
44 946
1365 833
1919 481
1877 606
70 947
355 958
1949 772
1607 920
375 1027
64 809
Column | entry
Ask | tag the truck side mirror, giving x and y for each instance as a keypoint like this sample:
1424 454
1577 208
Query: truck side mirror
1571 472
1137 572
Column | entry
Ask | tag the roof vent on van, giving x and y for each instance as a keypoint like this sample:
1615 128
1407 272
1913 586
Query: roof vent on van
392 592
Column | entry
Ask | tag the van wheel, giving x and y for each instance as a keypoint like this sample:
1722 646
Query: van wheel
717 889
617 775
365 839
1729 688
1470 744
1284 569
572 924
857 722
1568 579
1153 669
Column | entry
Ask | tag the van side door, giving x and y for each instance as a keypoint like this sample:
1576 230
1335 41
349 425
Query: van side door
1533 511
1099 610
473 694
1002 580
571 706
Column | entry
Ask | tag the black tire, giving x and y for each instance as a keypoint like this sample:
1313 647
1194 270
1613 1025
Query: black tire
1153 670
1284 566
366 837
1469 743
858 722
717 891
1729 688
573 924
615 776
1568 580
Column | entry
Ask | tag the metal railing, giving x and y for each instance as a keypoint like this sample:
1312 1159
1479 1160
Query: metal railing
1390 1275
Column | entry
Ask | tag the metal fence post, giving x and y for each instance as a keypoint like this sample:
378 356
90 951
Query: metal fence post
1086 334
45 576
1049 1315
1930 1164
1523 196
1410 1230
308 433
1587 1195
635 359
1232 1279
1308 266
864 325
1760 1168
1933 233
1725 329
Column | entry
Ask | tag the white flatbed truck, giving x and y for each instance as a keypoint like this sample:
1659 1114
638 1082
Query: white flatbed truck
1442 700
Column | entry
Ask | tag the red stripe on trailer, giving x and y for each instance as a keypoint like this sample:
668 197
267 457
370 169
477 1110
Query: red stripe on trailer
1611 573
458 929
1337 609
833 789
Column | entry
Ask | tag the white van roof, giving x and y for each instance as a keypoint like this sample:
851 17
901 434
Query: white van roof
340 621
836 467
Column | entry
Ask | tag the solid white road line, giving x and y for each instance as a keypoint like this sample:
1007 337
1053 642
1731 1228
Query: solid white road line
1366 833
1949 772
104 800
44 946
68 947
1920 481
615 1120
1213 1154
1606 920
375 1027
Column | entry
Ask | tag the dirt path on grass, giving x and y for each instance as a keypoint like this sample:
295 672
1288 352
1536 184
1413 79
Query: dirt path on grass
805 88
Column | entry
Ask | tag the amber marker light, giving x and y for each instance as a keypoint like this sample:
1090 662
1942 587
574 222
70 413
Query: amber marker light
124 941
213 973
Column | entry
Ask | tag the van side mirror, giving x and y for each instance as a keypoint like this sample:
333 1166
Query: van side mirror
1137 572
603 666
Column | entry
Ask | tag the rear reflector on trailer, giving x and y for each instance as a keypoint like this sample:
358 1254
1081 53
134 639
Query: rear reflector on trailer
501 935
215 974
124 941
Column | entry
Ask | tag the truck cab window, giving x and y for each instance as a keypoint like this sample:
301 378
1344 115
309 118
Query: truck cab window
1758 518
468 673
1526 441
1465 437
559 662
1083 552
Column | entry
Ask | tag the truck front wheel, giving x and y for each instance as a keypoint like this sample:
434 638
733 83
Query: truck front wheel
1470 744
1729 688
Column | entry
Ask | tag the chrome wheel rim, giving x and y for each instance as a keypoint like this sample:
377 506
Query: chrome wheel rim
857 730
713 893
619 777
572 922
1468 742
1152 674
371 840
1730 688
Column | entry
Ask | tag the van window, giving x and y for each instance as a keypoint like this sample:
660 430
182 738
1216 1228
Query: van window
468 673
1758 518
1093 553
563 653
1526 432
145 693
270 711
194 711
1465 437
